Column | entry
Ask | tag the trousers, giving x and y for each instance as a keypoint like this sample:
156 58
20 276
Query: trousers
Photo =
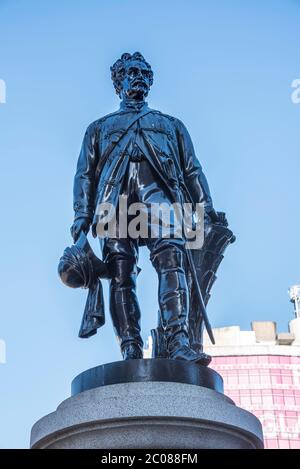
142 185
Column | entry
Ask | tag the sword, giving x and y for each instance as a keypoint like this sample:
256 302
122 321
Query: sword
199 294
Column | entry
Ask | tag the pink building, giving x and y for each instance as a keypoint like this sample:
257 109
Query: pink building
261 372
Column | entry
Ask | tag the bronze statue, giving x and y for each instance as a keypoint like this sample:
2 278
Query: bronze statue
146 157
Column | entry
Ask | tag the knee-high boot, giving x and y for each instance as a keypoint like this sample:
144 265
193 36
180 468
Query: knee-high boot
174 305
125 310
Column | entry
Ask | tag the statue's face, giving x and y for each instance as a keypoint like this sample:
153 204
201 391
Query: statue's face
136 81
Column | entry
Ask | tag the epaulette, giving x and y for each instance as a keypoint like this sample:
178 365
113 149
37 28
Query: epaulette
171 118
104 118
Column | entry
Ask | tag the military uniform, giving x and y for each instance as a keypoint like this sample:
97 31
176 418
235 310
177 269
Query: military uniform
152 162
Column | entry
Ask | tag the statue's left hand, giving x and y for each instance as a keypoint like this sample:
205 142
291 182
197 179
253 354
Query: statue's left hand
218 217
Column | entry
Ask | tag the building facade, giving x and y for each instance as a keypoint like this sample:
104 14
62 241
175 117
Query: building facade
261 372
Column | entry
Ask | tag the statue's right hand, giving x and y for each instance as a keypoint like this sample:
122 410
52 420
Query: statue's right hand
79 225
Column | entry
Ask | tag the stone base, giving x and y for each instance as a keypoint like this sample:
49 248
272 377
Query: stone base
148 414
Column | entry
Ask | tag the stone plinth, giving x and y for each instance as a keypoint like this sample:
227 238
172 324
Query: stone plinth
144 413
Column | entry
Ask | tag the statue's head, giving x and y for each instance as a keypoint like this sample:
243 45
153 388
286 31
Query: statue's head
132 76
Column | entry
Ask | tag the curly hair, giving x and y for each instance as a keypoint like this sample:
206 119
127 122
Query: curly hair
118 69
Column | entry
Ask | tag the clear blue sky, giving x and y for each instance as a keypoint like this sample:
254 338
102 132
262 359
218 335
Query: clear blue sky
225 68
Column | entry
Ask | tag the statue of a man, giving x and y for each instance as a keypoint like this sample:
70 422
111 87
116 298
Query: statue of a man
148 157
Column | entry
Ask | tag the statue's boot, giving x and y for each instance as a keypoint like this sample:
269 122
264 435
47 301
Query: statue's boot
174 306
179 349
132 351
125 310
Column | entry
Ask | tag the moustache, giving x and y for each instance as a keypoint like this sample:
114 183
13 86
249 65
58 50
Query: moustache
139 82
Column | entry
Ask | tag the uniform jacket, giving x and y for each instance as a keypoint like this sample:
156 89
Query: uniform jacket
164 141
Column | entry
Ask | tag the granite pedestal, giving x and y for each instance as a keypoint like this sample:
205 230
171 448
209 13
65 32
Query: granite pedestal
153 403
